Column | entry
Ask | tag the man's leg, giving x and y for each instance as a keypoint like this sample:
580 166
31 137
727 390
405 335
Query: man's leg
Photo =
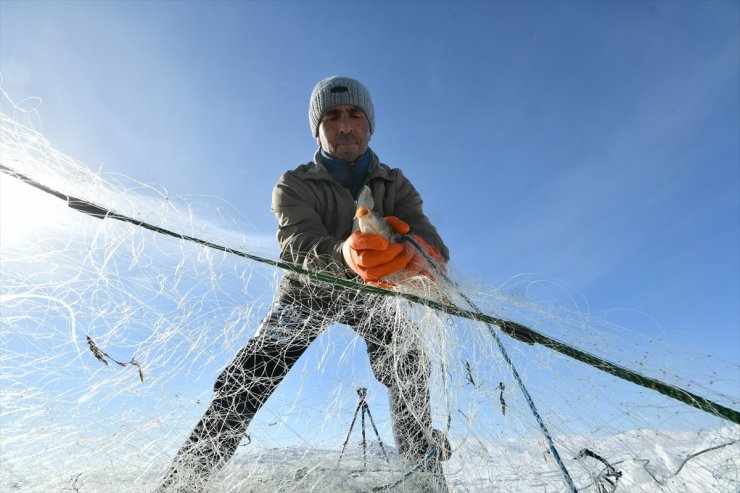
398 362
239 392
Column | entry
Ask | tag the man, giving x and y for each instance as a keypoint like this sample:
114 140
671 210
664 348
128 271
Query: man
314 205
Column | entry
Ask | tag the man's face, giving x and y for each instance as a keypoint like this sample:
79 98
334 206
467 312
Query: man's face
344 132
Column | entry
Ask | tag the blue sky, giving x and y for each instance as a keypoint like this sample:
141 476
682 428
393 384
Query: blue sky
592 144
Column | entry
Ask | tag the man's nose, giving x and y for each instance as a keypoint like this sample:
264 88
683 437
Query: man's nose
345 124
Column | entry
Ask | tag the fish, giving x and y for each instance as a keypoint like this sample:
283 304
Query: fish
368 221
414 277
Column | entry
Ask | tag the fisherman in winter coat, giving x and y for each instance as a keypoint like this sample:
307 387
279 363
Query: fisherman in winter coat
315 206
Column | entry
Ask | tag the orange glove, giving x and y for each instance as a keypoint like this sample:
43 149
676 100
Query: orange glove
373 257
419 265
397 225
400 227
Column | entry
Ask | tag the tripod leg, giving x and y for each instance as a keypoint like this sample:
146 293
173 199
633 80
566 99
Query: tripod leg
346 441
380 441
364 441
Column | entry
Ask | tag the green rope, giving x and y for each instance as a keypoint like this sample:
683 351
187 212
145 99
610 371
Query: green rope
514 329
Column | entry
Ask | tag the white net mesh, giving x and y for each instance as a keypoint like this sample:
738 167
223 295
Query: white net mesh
113 335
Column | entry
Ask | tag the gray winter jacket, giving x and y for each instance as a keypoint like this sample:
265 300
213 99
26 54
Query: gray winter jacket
315 213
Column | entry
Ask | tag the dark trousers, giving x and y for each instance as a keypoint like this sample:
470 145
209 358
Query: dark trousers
294 322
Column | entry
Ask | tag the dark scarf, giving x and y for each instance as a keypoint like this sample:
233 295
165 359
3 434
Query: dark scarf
349 174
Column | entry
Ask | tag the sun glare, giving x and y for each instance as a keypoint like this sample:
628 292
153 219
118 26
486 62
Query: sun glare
25 211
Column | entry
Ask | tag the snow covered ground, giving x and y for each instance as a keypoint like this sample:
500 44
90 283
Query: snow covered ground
644 466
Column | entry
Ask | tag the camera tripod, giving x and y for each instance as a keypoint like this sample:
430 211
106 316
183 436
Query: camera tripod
362 405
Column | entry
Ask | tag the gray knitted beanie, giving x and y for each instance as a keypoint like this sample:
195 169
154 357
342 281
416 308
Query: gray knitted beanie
335 91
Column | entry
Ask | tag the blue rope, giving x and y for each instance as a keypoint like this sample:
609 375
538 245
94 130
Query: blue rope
530 402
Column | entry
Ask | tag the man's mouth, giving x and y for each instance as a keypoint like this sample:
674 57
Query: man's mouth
345 140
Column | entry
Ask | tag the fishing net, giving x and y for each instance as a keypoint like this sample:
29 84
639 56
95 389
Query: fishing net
122 304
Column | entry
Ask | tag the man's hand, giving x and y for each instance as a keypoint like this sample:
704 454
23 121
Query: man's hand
372 257
421 263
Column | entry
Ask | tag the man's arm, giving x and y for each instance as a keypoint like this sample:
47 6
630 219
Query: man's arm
302 235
